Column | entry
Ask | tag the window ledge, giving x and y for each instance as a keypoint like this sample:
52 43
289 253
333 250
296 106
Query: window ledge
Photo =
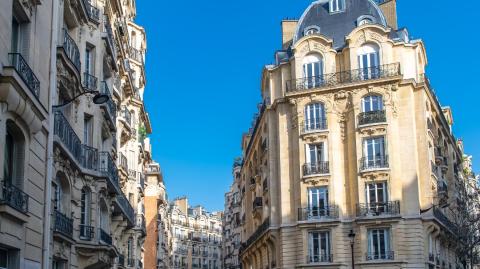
372 170
13 213
322 131
372 125
373 262
316 175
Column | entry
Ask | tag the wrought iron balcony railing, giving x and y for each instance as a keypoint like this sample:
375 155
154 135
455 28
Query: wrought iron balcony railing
110 105
444 220
67 136
256 235
108 35
87 233
345 77
318 213
374 162
108 169
92 11
378 209
13 197
310 126
136 54
63 224
89 82
126 115
90 157
319 168
383 255
25 72
320 258
372 117
105 237
71 49
126 207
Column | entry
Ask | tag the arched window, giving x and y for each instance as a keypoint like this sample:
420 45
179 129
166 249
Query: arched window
311 30
61 194
315 117
130 260
369 61
372 103
86 231
313 71
14 155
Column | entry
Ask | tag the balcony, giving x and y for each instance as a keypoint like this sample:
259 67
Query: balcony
105 237
318 213
25 72
444 220
63 224
89 157
132 174
87 233
317 125
108 36
256 235
126 116
92 12
14 197
109 170
71 50
325 258
319 168
384 255
123 162
372 117
140 223
125 208
135 54
89 82
109 107
374 163
67 136
378 209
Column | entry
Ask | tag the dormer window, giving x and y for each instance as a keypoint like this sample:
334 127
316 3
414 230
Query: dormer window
337 6
311 30
362 20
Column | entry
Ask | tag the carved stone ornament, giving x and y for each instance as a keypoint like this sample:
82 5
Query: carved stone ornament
361 39
315 137
373 130
315 181
375 175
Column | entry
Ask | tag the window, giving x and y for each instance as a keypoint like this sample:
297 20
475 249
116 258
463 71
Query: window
89 61
374 153
315 117
85 213
365 20
3 258
88 130
313 71
372 103
318 202
319 247
377 197
13 164
337 6
368 61
16 34
379 244
311 30
57 200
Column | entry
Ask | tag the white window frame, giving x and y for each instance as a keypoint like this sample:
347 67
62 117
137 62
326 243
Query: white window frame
315 116
379 254
320 236
376 156
372 103
85 203
336 6
6 257
369 61
316 148
313 71
315 196
311 30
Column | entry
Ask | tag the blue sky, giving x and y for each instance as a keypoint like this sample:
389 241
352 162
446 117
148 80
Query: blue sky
204 63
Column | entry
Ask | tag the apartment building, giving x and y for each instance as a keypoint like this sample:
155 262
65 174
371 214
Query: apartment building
196 236
351 161
74 127
232 222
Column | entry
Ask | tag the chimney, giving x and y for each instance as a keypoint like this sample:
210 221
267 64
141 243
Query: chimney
288 31
389 9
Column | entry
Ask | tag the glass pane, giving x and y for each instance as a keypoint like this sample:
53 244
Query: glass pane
8 162
3 258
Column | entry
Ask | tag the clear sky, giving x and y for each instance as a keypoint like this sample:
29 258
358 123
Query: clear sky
204 63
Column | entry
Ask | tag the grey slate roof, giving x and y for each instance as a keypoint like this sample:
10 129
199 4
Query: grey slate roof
337 25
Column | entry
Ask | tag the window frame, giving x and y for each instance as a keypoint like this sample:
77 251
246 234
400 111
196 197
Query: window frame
386 242
319 239
373 99
382 149
340 6
317 195
315 116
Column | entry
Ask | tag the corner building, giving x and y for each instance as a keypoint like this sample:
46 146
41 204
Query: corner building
350 153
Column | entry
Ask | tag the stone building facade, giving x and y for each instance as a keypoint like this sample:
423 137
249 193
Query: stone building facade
74 174
196 236
351 158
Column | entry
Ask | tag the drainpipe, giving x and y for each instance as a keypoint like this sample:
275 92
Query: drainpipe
52 97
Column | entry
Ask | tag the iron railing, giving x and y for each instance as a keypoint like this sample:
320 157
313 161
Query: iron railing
132 174
315 125
26 73
90 157
108 169
140 223
89 82
71 49
126 207
126 115
256 235
383 255
378 209
14 197
319 168
105 237
63 224
136 54
374 162
67 136
110 105
140 264
107 30
320 258
344 77
318 213
372 117
92 11
87 233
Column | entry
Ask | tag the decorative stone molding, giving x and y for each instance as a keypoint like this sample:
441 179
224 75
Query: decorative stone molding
373 130
316 180
375 175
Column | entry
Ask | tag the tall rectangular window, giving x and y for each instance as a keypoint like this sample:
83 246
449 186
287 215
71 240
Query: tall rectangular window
379 244
337 5
16 36
89 61
377 197
318 202
88 130
374 152
315 153
319 247
315 117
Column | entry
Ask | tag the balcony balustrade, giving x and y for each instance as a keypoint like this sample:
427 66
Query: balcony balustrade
67 136
89 82
444 220
126 207
344 77
109 170
105 237
384 255
71 49
136 54
319 168
374 162
110 105
87 233
127 116
324 258
329 212
314 125
108 35
378 209
89 157
92 11
25 72
13 197
372 117
63 224
132 174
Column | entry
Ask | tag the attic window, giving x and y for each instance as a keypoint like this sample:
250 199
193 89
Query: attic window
337 6
311 30
362 20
